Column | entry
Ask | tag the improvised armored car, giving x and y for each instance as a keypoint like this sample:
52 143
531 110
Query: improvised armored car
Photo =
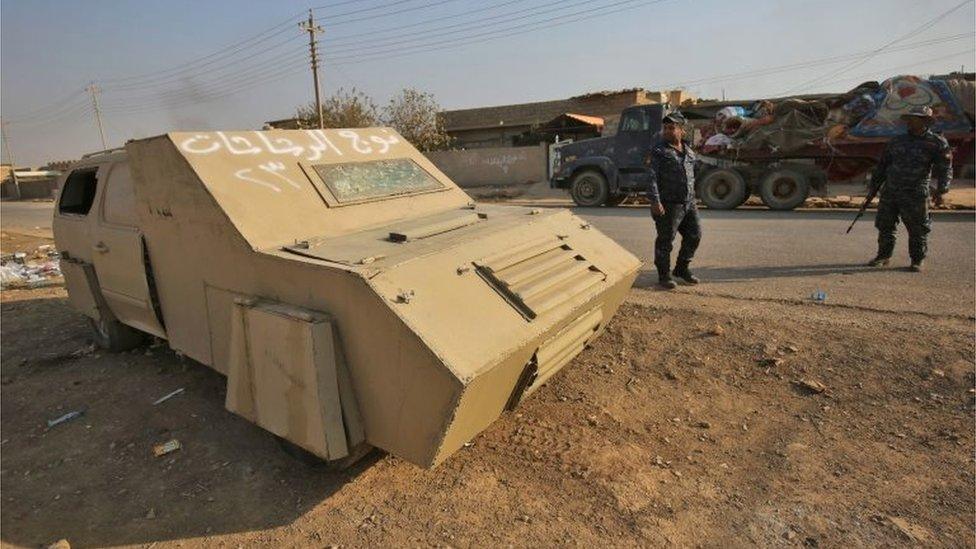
351 293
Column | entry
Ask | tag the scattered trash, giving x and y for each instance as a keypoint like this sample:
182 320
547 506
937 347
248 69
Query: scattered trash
65 418
151 513
84 351
36 269
811 386
166 447
819 296
164 398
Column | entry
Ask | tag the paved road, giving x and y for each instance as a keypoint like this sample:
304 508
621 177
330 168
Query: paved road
30 215
774 255
790 255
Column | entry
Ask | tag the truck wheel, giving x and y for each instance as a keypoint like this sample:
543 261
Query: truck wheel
723 189
784 189
589 189
114 336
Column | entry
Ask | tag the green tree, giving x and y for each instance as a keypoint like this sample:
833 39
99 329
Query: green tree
352 109
415 115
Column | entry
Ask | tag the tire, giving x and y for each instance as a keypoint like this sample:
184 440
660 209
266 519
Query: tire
784 189
617 199
589 189
113 336
723 189
312 461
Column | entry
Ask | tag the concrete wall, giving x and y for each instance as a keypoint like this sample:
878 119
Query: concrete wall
493 166
30 188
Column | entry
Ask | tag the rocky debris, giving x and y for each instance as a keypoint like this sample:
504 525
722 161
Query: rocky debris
717 330
810 386
60 544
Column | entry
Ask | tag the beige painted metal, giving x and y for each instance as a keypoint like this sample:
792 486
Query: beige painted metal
348 289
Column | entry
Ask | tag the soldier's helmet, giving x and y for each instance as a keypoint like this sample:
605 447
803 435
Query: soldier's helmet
674 117
920 112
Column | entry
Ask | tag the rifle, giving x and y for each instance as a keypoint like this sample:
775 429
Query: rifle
872 192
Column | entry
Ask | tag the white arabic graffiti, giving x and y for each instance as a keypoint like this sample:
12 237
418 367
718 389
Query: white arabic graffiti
316 147
277 169
243 176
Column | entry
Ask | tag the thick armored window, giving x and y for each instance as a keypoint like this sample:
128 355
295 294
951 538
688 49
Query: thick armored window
78 192
119 204
634 122
360 181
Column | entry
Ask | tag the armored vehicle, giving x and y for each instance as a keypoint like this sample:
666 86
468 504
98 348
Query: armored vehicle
604 171
351 293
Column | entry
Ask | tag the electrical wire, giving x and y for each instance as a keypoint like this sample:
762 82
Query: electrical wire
479 24
498 33
924 26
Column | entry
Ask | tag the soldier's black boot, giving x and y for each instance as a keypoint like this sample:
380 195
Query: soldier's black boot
879 261
682 271
664 278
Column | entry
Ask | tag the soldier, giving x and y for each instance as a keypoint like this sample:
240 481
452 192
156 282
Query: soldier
671 190
904 170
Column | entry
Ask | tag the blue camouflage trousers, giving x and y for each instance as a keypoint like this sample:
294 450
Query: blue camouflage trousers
678 218
914 213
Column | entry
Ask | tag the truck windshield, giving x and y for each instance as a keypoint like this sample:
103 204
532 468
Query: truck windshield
358 181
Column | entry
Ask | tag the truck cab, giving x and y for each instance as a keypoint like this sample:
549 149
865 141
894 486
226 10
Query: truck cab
605 170
104 258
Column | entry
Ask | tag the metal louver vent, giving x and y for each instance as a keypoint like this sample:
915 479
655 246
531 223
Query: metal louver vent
537 276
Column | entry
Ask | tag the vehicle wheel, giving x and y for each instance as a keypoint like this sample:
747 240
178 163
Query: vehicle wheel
723 189
589 189
308 459
617 199
784 189
114 336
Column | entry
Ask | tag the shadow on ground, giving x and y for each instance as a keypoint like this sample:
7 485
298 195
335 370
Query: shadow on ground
95 480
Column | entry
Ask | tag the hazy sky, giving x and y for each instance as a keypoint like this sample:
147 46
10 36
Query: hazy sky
173 64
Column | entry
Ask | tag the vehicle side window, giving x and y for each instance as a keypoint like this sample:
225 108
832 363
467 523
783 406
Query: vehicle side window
78 192
119 204
633 122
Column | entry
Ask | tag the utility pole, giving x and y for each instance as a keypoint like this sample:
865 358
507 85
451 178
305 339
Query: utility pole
94 90
310 27
10 158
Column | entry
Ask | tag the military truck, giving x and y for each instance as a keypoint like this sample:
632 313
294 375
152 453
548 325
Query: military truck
352 294
604 171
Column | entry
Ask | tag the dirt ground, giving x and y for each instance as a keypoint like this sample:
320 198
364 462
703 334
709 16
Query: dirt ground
694 421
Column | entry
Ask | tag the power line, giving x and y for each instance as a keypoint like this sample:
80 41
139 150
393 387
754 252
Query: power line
330 20
206 69
357 38
891 70
479 24
225 51
869 56
191 86
498 33
211 95
807 64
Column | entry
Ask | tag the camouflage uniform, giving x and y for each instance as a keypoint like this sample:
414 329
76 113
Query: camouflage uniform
904 170
671 181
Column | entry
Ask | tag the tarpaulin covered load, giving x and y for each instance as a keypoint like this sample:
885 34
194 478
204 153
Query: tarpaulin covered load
900 93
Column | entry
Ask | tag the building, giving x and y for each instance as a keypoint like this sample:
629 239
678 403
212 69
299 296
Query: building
579 117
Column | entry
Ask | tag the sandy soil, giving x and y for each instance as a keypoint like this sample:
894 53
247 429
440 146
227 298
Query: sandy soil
693 421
